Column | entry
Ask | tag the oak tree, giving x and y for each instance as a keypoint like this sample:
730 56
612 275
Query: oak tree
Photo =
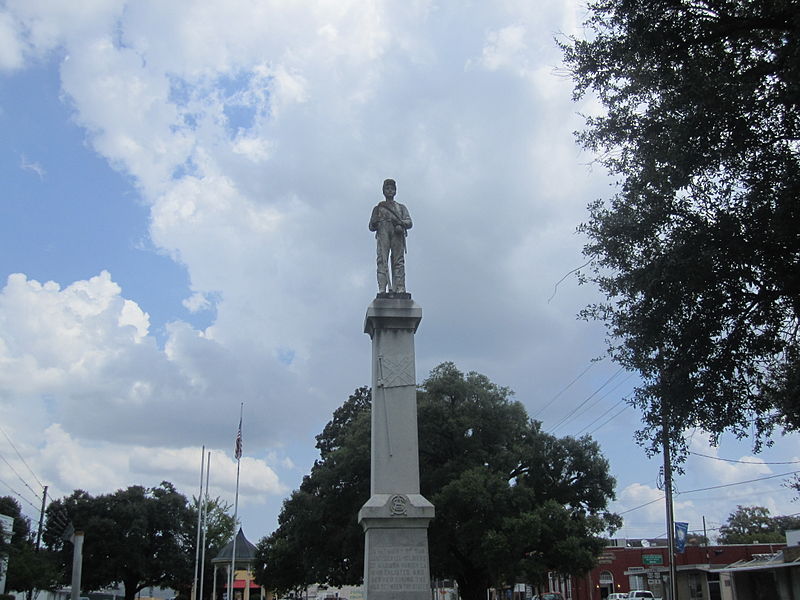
698 251
511 501
753 524
139 537
28 569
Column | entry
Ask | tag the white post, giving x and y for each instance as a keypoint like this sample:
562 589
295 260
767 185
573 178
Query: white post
199 521
205 524
238 454
77 562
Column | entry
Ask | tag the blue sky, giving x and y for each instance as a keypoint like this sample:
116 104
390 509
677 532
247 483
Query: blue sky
185 205
67 211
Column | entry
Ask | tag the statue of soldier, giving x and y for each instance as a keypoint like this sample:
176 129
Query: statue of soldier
390 221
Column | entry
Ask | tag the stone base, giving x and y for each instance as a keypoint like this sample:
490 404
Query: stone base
396 547
394 295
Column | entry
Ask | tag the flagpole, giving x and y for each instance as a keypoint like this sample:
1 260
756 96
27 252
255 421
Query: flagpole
199 518
205 531
238 455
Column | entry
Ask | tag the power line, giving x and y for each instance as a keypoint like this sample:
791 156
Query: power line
41 485
564 389
620 401
724 485
25 483
747 462
596 402
608 410
713 487
36 508
577 408
611 418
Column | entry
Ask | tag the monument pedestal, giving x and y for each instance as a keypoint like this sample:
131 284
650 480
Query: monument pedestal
396 517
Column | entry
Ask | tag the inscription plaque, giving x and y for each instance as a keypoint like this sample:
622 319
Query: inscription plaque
399 568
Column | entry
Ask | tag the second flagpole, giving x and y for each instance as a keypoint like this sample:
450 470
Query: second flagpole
238 454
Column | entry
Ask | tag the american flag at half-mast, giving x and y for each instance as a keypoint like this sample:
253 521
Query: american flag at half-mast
237 450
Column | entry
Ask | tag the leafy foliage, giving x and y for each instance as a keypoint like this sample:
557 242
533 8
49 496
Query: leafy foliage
510 500
28 569
698 253
751 524
219 532
318 539
138 536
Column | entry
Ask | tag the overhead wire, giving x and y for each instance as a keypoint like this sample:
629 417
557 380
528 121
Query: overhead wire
746 462
41 485
608 410
564 389
25 483
582 404
36 508
611 418
713 487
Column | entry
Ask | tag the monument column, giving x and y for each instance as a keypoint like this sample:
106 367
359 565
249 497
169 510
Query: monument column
396 517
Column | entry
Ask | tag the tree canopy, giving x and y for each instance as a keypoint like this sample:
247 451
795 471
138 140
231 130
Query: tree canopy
138 536
751 524
219 532
698 252
28 569
510 500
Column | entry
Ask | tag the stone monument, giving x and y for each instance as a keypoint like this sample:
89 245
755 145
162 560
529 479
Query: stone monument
396 517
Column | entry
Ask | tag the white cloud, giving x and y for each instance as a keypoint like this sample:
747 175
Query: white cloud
11 46
258 135
34 167
506 48
197 302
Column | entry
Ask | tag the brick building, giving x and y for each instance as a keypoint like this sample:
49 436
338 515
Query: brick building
643 565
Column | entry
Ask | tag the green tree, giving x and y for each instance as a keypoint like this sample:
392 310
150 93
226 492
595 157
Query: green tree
219 532
318 539
751 524
510 500
28 570
139 537
698 253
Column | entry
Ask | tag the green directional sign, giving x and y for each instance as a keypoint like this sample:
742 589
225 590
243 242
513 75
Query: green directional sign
652 559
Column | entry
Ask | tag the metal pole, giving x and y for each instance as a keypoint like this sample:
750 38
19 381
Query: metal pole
232 574
673 573
199 520
205 525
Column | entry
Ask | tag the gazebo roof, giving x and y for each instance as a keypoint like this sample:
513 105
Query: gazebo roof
245 551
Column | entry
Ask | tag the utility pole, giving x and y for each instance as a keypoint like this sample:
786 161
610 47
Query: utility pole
673 573
41 519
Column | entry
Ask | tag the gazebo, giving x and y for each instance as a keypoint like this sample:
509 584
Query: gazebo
243 584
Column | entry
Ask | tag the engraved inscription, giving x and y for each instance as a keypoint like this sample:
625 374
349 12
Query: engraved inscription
398 569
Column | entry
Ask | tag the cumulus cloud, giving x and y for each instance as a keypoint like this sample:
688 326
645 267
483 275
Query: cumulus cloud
258 135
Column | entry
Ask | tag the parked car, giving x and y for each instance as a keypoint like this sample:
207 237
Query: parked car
640 594
549 596
617 596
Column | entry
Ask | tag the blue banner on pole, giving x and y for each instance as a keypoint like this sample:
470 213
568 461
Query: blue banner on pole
681 532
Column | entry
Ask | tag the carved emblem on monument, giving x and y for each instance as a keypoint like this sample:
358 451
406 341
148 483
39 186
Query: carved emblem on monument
396 373
398 505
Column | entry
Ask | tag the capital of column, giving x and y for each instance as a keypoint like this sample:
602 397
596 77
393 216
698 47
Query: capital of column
392 313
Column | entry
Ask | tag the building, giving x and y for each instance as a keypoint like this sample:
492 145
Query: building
702 571
772 576
244 587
